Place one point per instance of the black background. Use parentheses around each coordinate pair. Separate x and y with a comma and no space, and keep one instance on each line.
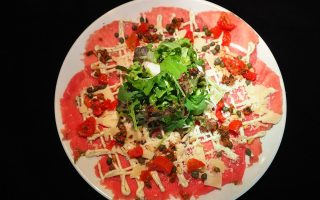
(39,35)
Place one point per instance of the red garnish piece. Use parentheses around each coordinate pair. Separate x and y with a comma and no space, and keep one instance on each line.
(135,152)
(249,75)
(219,115)
(194,164)
(87,127)
(161,164)
(224,22)
(234,127)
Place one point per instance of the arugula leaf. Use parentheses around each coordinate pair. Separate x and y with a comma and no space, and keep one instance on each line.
(196,103)
(173,65)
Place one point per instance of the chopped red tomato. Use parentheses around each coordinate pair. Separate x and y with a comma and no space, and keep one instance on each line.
(226,39)
(103,79)
(225,23)
(113,78)
(109,105)
(143,28)
(96,108)
(135,152)
(234,127)
(88,127)
(234,65)
(219,115)
(194,164)
(132,41)
(110,144)
(189,35)
(161,164)
(145,175)
(216,31)
(87,101)
(249,75)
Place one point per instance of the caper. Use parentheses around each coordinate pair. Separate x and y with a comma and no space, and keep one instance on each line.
(207,32)
(197,30)
(121,40)
(248,152)
(225,109)
(204,176)
(212,43)
(109,161)
(116,34)
(171,39)
(217,61)
(248,82)
(249,65)
(213,51)
(90,90)
(204,28)
(134,27)
(239,113)
(162,147)
(222,65)
(195,174)
(205,48)
(216,169)
(141,19)
(217,48)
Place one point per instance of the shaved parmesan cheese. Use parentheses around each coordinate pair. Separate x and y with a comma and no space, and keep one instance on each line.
(217,163)
(147,153)
(180,34)
(159,24)
(214,179)
(156,179)
(199,43)
(108,119)
(136,171)
(198,153)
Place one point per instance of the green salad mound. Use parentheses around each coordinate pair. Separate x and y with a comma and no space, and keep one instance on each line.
(170,99)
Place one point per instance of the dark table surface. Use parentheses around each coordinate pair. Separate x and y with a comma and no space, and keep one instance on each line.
(44,31)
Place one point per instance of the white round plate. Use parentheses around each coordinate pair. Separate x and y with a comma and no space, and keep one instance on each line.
(130,11)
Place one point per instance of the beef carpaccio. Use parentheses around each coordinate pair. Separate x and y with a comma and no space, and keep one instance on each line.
(170,104)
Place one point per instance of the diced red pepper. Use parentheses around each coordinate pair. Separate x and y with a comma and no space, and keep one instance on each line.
(219,115)
(224,22)
(194,164)
(145,175)
(234,127)
(234,65)
(103,79)
(110,144)
(135,152)
(189,35)
(87,127)
(132,41)
(226,39)
(161,164)
(109,105)
(113,78)
(216,31)
(143,28)
(87,101)
(249,75)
